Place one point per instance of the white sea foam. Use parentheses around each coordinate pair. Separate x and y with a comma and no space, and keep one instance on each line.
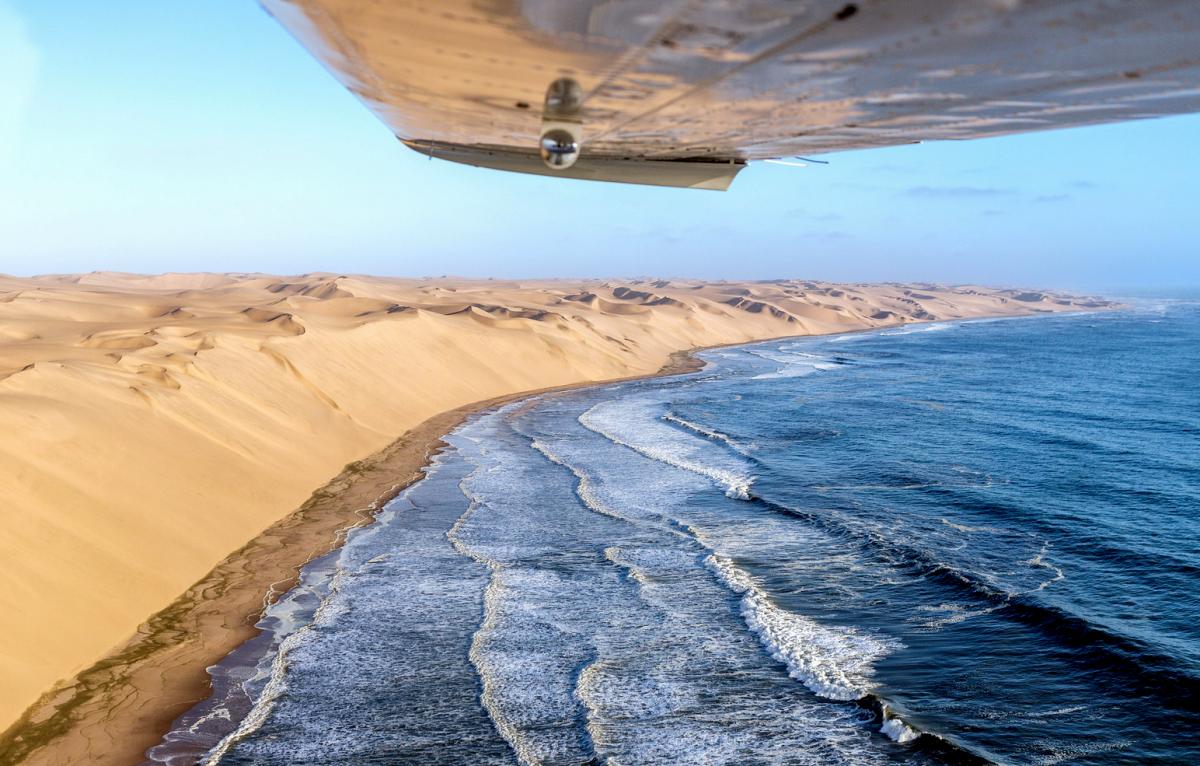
(648,698)
(909,330)
(832,661)
(276,684)
(290,621)
(895,728)
(491,696)
(942,615)
(847,337)
(633,424)
(671,417)
(796,364)
(645,691)
(1067,710)
(509,700)
(966,528)
(660,560)
(1073,750)
(583,487)
(1040,561)
(534,636)
(707,432)
(793,371)
(522,686)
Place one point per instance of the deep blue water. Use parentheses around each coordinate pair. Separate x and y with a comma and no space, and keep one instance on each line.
(948,543)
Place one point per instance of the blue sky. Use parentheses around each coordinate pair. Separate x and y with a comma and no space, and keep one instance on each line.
(167,135)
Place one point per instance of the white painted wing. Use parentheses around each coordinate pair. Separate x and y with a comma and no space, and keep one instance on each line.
(684,93)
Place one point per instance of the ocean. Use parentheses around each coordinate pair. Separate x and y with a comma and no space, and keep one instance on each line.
(968,542)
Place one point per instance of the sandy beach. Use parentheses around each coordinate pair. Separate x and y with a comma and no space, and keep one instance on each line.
(151,425)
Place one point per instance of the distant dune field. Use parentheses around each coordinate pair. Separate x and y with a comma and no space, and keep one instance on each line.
(150,425)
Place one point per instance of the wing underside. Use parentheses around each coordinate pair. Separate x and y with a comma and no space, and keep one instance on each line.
(685,93)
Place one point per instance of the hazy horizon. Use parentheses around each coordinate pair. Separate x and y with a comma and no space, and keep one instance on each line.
(1148,292)
(203,138)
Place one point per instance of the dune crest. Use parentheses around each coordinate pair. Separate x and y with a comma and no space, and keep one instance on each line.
(149,425)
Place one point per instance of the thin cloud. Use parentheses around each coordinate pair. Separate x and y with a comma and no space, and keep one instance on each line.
(828,236)
(1052,198)
(858,186)
(888,167)
(809,215)
(956,192)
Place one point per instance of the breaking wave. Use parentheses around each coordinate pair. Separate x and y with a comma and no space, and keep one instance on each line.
(622,427)
(834,662)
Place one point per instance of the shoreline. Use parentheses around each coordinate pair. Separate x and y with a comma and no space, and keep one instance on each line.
(114,710)
(126,701)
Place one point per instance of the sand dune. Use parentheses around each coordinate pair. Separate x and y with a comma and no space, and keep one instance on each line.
(149,425)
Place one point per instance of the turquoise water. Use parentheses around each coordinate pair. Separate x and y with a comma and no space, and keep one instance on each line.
(948,543)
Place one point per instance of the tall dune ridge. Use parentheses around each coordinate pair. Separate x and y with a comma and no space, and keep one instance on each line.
(152,424)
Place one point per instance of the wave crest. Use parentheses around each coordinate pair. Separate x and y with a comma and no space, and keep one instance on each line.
(832,661)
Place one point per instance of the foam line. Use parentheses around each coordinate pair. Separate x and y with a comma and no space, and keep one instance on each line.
(834,662)
(736,485)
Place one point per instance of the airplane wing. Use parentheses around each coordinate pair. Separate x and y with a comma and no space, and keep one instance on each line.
(686,92)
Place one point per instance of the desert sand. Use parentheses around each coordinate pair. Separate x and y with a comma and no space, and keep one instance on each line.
(152,425)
